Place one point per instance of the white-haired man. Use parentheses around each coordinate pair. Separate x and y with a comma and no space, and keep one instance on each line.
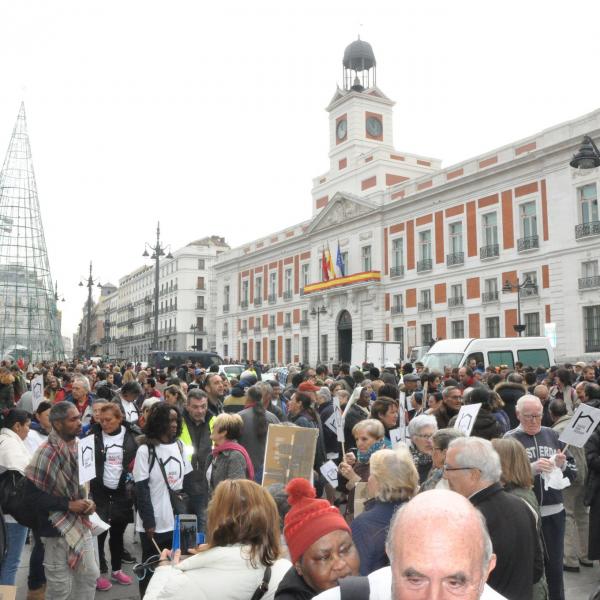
(545,452)
(438,547)
(472,468)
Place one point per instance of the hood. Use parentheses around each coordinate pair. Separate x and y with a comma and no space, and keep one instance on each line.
(36,426)
(509,385)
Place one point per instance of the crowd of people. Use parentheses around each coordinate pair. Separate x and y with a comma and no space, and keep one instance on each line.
(192,441)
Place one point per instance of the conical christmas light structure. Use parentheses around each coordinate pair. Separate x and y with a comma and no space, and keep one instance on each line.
(29,318)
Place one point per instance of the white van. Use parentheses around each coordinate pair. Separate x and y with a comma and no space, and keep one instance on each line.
(531,351)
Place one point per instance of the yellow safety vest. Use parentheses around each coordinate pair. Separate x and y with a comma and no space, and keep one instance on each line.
(186,439)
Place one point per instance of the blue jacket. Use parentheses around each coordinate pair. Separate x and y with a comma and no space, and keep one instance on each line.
(369,532)
(544,445)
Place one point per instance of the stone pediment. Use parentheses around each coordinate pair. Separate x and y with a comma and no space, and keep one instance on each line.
(342,208)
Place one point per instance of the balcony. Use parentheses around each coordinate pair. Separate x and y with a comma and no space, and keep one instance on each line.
(287,295)
(257,301)
(200,307)
(424,306)
(454,259)
(244,304)
(303,322)
(225,333)
(587,229)
(528,243)
(226,308)
(491,251)
(272,327)
(454,301)
(243,331)
(397,310)
(397,271)
(588,283)
(488,297)
(287,326)
(272,298)
(424,265)
(257,330)
(528,292)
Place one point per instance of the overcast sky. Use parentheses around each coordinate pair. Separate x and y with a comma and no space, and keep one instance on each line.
(210,115)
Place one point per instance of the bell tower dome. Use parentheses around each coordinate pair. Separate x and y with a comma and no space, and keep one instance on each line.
(360,66)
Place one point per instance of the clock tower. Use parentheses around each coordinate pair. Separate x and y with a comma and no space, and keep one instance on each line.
(362,158)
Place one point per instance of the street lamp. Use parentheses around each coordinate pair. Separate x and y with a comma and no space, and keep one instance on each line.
(509,287)
(89,284)
(588,156)
(157,252)
(321,310)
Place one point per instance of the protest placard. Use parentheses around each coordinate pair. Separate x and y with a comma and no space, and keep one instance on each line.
(583,423)
(37,391)
(329,470)
(86,459)
(289,453)
(466,418)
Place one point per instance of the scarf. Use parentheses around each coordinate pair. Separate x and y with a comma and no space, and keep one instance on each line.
(54,470)
(235,446)
(364,457)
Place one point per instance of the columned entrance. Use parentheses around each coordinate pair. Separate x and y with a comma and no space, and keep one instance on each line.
(344,328)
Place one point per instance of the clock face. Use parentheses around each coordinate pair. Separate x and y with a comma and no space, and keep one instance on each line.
(374,127)
(342,129)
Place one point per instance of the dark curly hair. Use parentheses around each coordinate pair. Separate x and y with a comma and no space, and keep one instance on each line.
(157,422)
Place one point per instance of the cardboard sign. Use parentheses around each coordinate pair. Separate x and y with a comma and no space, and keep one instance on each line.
(86,458)
(467,415)
(361,495)
(398,436)
(37,391)
(581,426)
(329,470)
(8,592)
(402,401)
(339,421)
(289,452)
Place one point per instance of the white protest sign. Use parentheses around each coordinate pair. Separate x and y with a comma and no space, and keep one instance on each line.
(86,459)
(339,421)
(329,470)
(398,436)
(37,391)
(402,402)
(466,418)
(581,426)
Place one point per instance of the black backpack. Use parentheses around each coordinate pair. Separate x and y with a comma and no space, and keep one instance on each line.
(13,499)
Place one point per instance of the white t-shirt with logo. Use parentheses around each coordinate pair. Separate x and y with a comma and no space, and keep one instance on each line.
(176,467)
(132,414)
(113,458)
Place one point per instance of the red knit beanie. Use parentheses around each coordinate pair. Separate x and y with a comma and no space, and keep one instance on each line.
(308,518)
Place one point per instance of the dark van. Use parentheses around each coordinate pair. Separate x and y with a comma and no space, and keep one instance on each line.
(163,359)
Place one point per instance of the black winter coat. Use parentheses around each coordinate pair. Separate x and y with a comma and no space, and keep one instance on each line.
(293,587)
(512,528)
(510,393)
(592,492)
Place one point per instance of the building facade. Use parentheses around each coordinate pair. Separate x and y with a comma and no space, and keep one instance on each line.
(186,307)
(424,252)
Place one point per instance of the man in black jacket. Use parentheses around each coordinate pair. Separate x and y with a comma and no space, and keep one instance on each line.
(472,468)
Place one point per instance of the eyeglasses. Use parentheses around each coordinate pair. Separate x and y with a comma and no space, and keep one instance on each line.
(449,468)
(531,417)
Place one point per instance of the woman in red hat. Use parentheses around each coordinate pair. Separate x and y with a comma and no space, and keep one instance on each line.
(319,543)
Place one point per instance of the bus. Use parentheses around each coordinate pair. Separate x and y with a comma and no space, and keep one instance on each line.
(161,359)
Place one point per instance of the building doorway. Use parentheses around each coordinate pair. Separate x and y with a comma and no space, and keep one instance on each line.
(345,337)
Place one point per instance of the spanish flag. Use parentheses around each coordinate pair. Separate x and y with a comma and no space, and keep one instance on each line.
(324,268)
(330,264)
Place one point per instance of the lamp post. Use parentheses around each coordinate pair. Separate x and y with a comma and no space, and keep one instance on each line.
(588,155)
(320,310)
(509,287)
(193,329)
(157,252)
(89,284)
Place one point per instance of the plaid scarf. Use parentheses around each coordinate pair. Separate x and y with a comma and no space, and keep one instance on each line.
(54,470)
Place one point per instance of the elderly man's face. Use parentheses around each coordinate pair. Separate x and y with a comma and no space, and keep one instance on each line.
(79,390)
(530,416)
(427,565)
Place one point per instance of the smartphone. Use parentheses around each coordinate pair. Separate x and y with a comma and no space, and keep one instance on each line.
(188,533)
